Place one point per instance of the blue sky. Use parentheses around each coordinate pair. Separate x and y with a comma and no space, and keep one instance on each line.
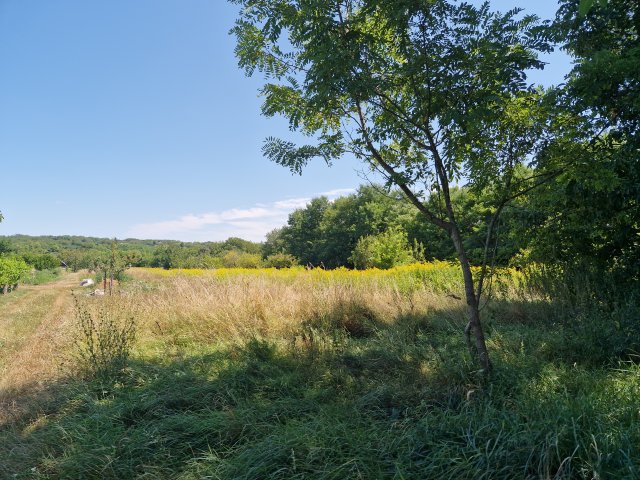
(131,119)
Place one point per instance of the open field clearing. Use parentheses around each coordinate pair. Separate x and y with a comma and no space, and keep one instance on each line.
(456,299)
(247,374)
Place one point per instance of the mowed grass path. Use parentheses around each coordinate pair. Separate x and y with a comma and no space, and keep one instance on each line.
(35,323)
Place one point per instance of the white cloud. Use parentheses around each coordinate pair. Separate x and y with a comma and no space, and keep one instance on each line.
(338,192)
(248,223)
(292,203)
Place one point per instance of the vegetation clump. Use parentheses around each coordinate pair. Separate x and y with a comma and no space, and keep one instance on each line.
(105,338)
(12,271)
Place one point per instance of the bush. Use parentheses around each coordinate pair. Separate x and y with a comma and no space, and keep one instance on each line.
(12,270)
(44,261)
(385,250)
(280,260)
(236,259)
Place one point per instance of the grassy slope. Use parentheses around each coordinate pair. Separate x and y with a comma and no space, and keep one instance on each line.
(259,377)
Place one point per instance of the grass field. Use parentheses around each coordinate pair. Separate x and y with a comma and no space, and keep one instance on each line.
(294,374)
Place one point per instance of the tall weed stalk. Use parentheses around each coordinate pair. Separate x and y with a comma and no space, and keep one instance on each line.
(104,340)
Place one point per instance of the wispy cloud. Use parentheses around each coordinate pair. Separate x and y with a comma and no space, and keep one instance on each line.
(248,223)
(338,192)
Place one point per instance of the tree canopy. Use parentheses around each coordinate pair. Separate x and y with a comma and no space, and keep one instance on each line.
(426,93)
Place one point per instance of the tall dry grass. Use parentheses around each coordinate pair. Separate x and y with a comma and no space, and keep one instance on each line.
(239,304)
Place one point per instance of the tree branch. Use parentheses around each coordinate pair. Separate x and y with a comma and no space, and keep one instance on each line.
(394,175)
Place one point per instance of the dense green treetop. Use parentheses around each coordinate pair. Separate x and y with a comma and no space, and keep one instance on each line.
(590,216)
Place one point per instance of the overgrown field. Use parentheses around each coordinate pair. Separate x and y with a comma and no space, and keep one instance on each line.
(295,374)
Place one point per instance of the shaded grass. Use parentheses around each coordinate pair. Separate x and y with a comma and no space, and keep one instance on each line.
(403,402)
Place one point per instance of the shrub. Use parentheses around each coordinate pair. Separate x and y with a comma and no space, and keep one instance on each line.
(280,260)
(236,259)
(385,250)
(44,261)
(12,270)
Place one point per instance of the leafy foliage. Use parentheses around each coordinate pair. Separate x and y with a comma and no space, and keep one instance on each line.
(12,270)
(384,250)
(423,92)
(588,220)
(280,260)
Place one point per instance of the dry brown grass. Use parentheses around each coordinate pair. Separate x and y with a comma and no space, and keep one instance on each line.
(209,309)
(37,329)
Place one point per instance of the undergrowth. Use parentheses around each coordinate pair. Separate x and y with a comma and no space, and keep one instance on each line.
(40,277)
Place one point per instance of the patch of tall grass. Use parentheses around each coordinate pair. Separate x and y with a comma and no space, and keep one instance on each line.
(40,277)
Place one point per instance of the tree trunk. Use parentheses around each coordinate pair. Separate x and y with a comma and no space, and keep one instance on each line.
(474,326)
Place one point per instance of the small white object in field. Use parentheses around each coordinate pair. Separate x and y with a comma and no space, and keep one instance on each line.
(98,292)
(86,282)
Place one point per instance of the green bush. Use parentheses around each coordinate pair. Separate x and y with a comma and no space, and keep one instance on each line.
(280,260)
(385,250)
(237,259)
(44,261)
(12,270)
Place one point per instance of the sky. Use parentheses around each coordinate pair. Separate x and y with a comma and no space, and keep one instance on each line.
(131,119)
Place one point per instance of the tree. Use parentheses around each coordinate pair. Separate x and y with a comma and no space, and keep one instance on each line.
(426,93)
(586,5)
(302,236)
(44,261)
(369,211)
(5,246)
(274,243)
(601,178)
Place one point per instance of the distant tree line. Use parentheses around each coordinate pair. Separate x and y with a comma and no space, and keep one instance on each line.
(369,228)
(79,252)
(378,228)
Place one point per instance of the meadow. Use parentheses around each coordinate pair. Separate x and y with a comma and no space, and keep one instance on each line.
(296,374)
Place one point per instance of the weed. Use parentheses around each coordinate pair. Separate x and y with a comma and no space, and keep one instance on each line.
(105,339)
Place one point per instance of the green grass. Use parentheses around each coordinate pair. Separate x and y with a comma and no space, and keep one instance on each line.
(40,277)
(399,401)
